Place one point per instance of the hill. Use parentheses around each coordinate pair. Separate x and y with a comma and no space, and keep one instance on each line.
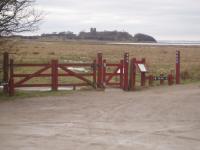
(103,36)
(93,34)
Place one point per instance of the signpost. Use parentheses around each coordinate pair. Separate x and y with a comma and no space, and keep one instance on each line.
(177,67)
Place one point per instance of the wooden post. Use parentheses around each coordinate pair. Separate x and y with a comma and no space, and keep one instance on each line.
(161,79)
(143,75)
(170,79)
(104,73)
(126,64)
(132,80)
(100,70)
(11,80)
(177,67)
(121,74)
(5,72)
(54,75)
(94,74)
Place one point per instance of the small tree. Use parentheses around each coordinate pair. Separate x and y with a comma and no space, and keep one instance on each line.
(18,16)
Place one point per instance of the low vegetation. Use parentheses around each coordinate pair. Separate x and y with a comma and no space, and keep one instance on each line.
(95,35)
(159,59)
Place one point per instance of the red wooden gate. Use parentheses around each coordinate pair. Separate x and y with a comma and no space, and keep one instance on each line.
(53,73)
(101,78)
(107,71)
(100,73)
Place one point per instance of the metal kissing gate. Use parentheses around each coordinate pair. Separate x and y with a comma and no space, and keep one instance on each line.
(100,74)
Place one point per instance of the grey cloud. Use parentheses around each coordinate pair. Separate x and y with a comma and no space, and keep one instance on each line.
(162,19)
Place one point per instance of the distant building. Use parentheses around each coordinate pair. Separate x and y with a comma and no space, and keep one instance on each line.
(93,30)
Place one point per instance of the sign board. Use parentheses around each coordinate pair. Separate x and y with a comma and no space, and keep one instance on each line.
(142,68)
(177,57)
(160,78)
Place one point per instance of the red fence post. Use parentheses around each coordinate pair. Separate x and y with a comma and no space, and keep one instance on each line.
(126,64)
(5,71)
(121,74)
(132,74)
(104,73)
(11,80)
(54,75)
(170,79)
(143,75)
(94,73)
(177,67)
(161,79)
(100,70)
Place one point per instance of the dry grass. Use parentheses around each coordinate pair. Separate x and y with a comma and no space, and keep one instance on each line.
(159,58)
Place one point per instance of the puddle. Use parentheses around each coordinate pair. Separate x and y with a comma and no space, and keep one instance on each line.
(43,88)
(81,69)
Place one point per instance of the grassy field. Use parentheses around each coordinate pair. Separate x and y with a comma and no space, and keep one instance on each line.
(160,59)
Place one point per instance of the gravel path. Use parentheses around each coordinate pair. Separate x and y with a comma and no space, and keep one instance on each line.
(164,118)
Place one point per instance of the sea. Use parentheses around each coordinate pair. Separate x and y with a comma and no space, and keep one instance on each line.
(164,43)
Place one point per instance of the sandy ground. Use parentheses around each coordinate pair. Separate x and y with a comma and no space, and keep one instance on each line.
(165,118)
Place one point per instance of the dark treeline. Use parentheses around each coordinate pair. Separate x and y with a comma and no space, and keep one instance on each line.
(103,35)
(97,35)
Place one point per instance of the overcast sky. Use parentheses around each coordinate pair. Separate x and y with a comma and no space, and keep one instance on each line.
(163,19)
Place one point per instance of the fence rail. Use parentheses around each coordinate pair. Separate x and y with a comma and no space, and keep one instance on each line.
(99,74)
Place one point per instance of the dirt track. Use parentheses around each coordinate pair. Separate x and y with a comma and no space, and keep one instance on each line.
(166,118)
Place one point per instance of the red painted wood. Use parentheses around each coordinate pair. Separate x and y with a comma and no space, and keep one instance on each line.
(11,80)
(33,85)
(177,67)
(54,73)
(100,70)
(126,65)
(5,71)
(77,75)
(82,74)
(143,74)
(26,75)
(31,65)
(74,84)
(161,80)
(112,75)
(33,75)
(132,74)
(170,79)
(76,65)
(104,73)
(121,74)
(94,73)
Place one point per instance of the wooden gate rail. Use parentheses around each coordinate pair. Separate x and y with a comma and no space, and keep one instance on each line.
(30,76)
(100,77)
(76,74)
(54,66)
(104,78)
(109,76)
